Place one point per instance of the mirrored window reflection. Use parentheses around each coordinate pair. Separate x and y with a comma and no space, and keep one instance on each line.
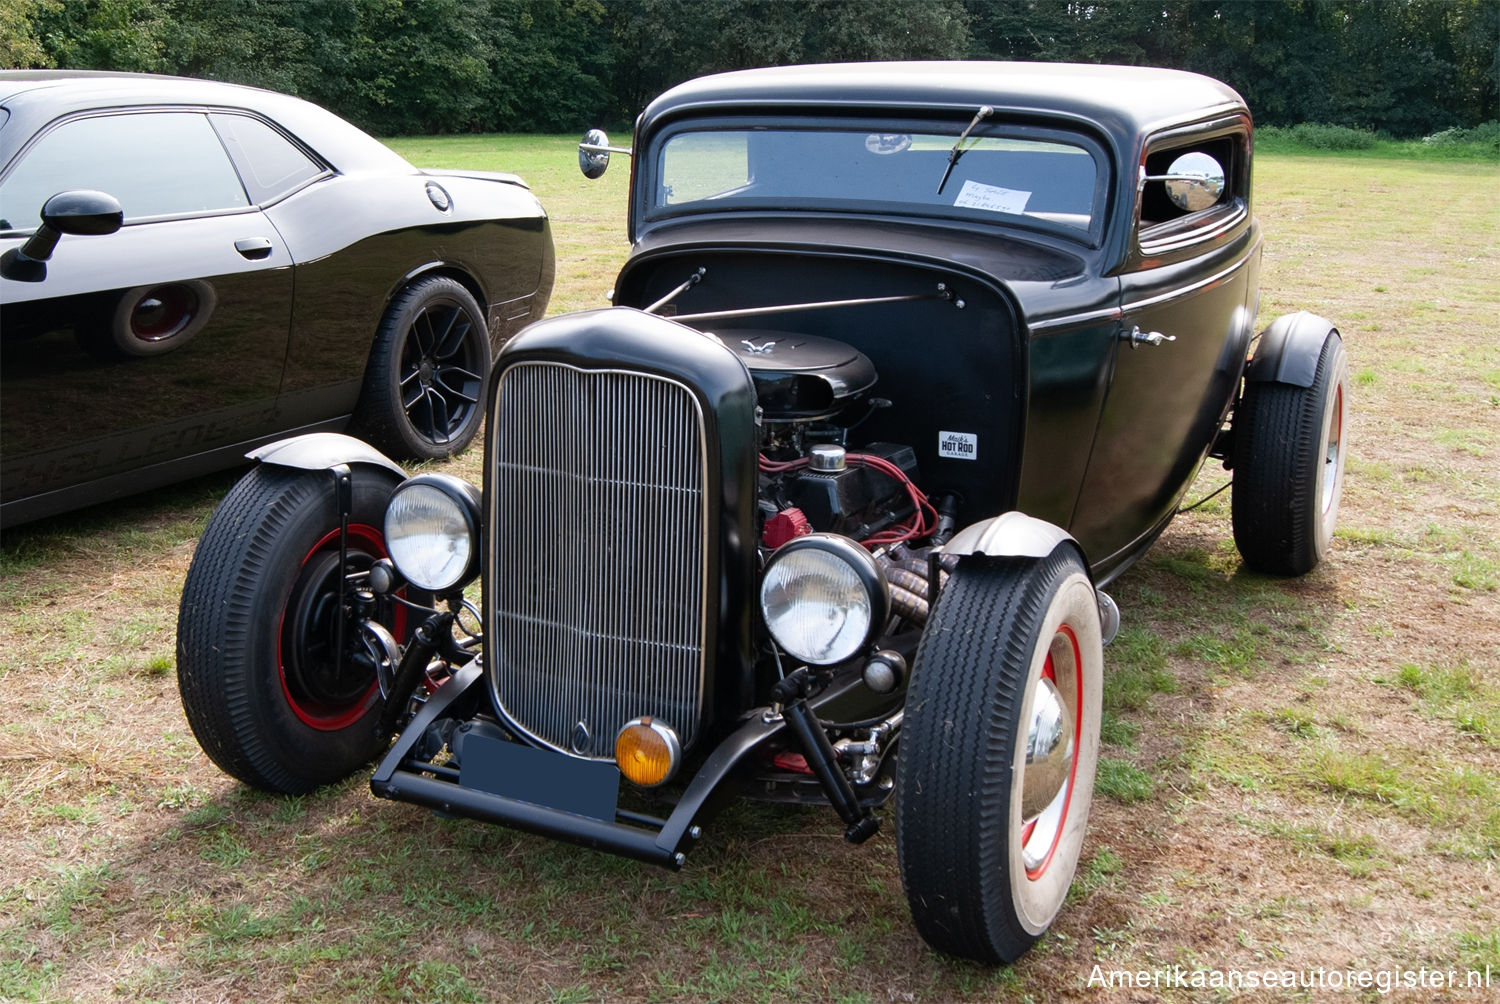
(154,163)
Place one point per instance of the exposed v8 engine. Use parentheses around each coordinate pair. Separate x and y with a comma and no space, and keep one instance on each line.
(812,392)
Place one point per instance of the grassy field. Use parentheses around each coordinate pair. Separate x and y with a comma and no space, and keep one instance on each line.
(1298,774)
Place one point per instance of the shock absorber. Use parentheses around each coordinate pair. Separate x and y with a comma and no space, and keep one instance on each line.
(791,693)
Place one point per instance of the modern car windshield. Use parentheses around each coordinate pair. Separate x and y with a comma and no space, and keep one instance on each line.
(1048,179)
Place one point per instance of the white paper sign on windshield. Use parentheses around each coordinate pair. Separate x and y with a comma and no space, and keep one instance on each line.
(991,198)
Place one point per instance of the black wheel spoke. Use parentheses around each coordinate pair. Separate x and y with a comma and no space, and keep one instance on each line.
(437,409)
(454,335)
(423,335)
(423,392)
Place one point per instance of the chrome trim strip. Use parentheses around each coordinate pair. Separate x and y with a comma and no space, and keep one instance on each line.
(598,584)
(1075,320)
(1190,289)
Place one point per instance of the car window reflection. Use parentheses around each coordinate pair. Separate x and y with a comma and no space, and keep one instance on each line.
(156,164)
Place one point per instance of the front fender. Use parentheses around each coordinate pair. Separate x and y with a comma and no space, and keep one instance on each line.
(1017,535)
(1012,535)
(1288,350)
(321,451)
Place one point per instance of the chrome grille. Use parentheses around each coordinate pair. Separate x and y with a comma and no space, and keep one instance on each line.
(597,550)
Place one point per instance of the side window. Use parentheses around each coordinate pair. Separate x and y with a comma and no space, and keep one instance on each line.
(271,164)
(1166,219)
(155,163)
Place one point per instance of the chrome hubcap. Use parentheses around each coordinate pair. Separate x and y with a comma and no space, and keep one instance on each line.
(1331,452)
(1049,751)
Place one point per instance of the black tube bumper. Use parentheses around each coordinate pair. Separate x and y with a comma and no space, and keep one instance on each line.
(644,838)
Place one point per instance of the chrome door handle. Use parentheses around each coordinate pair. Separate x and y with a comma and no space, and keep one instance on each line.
(1136,337)
(254,248)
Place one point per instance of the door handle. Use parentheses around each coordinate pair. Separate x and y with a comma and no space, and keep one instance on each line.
(254,248)
(1136,337)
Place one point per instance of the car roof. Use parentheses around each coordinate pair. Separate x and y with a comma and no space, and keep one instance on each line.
(35,97)
(1125,102)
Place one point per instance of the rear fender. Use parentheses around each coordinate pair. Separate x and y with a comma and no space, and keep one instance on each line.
(1288,350)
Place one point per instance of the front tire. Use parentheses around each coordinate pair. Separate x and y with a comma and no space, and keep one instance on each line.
(998,753)
(425,380)
(1289,449)
(264,694)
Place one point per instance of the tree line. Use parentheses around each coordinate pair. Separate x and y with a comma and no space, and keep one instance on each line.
(1402,67)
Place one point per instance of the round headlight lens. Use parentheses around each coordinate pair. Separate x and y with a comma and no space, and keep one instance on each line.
(431,525)
(822,597)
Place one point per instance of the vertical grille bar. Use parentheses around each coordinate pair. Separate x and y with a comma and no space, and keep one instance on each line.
(598,576)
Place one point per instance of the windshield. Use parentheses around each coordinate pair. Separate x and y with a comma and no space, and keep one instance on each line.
(1050,180)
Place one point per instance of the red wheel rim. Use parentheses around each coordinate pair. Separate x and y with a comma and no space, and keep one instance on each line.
(1049,672)
(327,712)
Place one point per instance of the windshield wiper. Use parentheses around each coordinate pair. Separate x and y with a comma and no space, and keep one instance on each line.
(985,111)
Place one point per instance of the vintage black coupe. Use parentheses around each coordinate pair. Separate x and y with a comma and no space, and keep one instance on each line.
(189,269)
(908,361)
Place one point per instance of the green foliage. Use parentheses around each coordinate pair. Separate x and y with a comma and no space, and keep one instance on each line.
(1486,136)
(1314,136)
(19,45)
(1408,68)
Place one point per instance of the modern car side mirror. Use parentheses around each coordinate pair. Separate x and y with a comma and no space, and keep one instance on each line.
(1194,181)
(593,153)
(81,212)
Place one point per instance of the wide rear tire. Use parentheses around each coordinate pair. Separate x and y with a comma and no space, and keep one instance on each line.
(988,834)
(257,629)
(1289,449)
(424,386)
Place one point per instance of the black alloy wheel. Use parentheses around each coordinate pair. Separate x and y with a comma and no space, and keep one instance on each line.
(425,382)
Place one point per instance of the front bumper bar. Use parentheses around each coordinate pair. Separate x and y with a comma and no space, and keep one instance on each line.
(645,838)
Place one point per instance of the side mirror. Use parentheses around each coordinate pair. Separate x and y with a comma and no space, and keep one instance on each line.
(81,212)
(593,153)
(1194,181)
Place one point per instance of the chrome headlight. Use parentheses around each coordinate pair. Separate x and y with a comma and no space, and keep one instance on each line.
(432,531)
(823,598)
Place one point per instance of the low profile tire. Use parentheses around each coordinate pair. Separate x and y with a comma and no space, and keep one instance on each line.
(257,630)
(424,386)
(1289,449)
(998,753)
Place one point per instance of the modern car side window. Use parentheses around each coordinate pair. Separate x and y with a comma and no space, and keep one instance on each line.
(155,163)
(270,164)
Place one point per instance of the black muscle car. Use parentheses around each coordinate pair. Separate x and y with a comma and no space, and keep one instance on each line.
(907,362)
(189,269)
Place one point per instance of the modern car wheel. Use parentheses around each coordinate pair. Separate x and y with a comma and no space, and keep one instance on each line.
(1289,448)
(268,693)
(423,387)
(998,753)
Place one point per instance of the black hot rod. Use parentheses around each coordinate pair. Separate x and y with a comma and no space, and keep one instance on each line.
(907,362)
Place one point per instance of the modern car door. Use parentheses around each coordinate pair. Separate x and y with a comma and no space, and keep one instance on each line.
(166,339)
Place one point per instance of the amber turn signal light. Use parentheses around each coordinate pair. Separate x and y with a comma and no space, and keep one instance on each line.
(647,752)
